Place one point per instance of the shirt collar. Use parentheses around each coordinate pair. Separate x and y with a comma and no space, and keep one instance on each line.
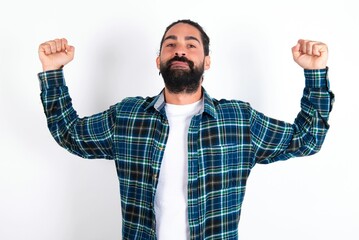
(208,107)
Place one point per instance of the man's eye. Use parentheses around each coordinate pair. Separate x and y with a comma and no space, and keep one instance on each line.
(191,46)
(170,45)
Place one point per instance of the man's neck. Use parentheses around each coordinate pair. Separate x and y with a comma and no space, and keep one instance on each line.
(183,98)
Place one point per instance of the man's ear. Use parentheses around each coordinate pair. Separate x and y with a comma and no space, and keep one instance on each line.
(207,62)
(158,61)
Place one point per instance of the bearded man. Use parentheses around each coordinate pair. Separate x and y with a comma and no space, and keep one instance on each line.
(182,157)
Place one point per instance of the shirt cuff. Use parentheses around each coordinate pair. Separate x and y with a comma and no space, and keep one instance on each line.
(316,78)
(51,79)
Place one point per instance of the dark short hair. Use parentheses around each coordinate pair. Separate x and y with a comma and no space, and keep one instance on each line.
(204,36)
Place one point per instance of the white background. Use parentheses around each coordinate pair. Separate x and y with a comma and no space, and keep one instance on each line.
(47,193)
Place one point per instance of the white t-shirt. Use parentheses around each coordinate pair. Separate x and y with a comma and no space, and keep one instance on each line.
(171,194)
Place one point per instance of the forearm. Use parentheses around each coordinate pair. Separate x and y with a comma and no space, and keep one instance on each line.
(311,124)
(88,137)
(317,95)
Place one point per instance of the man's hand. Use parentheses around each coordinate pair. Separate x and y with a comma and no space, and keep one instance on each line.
(55,54)
(310,54)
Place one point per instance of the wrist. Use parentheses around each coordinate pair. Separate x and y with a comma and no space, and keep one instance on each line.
(46,68)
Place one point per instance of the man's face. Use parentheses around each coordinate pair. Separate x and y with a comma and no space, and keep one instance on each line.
(182,60)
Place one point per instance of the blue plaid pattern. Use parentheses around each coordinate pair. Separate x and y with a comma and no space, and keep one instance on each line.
(225,141)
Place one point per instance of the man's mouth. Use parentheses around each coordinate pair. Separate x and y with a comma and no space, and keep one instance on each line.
(179,65)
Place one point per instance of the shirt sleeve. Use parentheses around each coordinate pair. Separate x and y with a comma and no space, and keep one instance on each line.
(88,137)
(275,140)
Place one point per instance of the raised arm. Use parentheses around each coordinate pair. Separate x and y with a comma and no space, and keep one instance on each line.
(275,140)
(88,137)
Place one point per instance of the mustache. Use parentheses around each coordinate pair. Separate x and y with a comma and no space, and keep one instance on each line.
(181,59)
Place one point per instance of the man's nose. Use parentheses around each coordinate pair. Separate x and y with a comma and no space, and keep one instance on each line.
(180,51)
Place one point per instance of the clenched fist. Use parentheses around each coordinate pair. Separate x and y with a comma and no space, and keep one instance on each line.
(310,54)
(55,54)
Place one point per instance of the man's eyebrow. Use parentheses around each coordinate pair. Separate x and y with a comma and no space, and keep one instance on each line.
(173,37)
(192,38)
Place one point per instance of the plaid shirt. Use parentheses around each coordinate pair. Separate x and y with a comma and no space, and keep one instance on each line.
(225,141)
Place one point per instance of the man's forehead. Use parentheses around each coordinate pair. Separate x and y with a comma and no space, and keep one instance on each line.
(183,30)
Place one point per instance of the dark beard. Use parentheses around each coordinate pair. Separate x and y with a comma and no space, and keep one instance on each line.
(181,80)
